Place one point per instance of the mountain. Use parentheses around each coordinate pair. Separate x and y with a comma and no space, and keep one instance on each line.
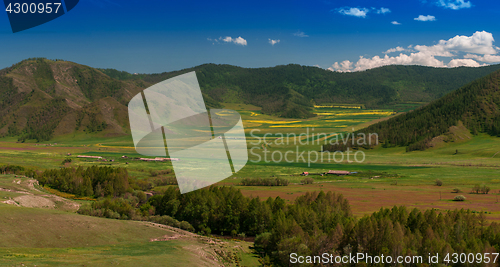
(475,106)
(41,98)
(291,90)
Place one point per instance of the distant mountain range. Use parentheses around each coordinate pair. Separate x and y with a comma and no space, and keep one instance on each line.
(42,98)
(476,106)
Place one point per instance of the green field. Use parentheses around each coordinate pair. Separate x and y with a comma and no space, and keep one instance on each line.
(52,234)
(477,160)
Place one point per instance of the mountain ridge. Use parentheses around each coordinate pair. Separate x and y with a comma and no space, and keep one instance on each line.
(41,98)
(475,105)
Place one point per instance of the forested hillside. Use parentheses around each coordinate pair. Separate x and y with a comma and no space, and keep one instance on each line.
(291,90)
(41,98)
(319,222)
(477,105)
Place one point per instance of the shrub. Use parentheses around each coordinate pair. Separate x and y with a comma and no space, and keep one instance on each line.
(459,198)
(476,189)
(439,182)
(265,182)
(456,190)
(307,180)
(483,189)
(187,226)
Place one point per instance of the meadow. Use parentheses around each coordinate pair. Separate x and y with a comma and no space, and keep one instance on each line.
(386,177)
(53,235)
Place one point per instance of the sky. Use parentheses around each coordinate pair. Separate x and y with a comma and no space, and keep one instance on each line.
(157,36)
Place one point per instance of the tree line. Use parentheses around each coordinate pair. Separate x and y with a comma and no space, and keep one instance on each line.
(476,105)
(93,181)
(320,222)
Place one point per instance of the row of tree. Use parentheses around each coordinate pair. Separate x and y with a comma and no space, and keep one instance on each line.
(319,222)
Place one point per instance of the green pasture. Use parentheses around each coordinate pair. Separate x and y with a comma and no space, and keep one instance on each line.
(457,163)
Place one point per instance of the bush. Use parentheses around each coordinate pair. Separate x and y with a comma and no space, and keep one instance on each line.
(307,180)
(483,189)
(265,182)
(187,226)
(167,220)
(459,198)
(439,182)
(456,190)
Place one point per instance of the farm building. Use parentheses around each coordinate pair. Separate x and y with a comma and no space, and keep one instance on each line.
(338,172)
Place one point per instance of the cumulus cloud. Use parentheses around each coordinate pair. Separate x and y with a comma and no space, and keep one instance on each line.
(478,43)
(238,41)
(383,10)
(300,34)
(354,11)
(392,50)
(485,58)
(463,62)
(454,4)
(344,66)
(273,42)
(395,23)
(479,47)
(425,18)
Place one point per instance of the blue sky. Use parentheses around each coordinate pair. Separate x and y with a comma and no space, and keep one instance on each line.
(156,36)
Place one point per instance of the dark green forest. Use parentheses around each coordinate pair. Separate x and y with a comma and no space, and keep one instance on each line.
(476,104)
(291,90)
(92,181)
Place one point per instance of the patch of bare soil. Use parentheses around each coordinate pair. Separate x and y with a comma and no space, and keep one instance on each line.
(31,201)
(47,201)
(10,202)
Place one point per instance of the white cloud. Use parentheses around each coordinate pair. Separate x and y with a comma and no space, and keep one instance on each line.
(395,23)
(273,42)
(461,62)
(361,12)
(485,58)
(454,4)
(402,59)
(479,47)
(383,10)
(344,66)
(354,11)
(478,43)
(238,41)
(392,50)
(425,18)
(300,34)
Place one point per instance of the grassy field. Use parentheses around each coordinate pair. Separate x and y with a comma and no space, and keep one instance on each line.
(386,177)
(40,229)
